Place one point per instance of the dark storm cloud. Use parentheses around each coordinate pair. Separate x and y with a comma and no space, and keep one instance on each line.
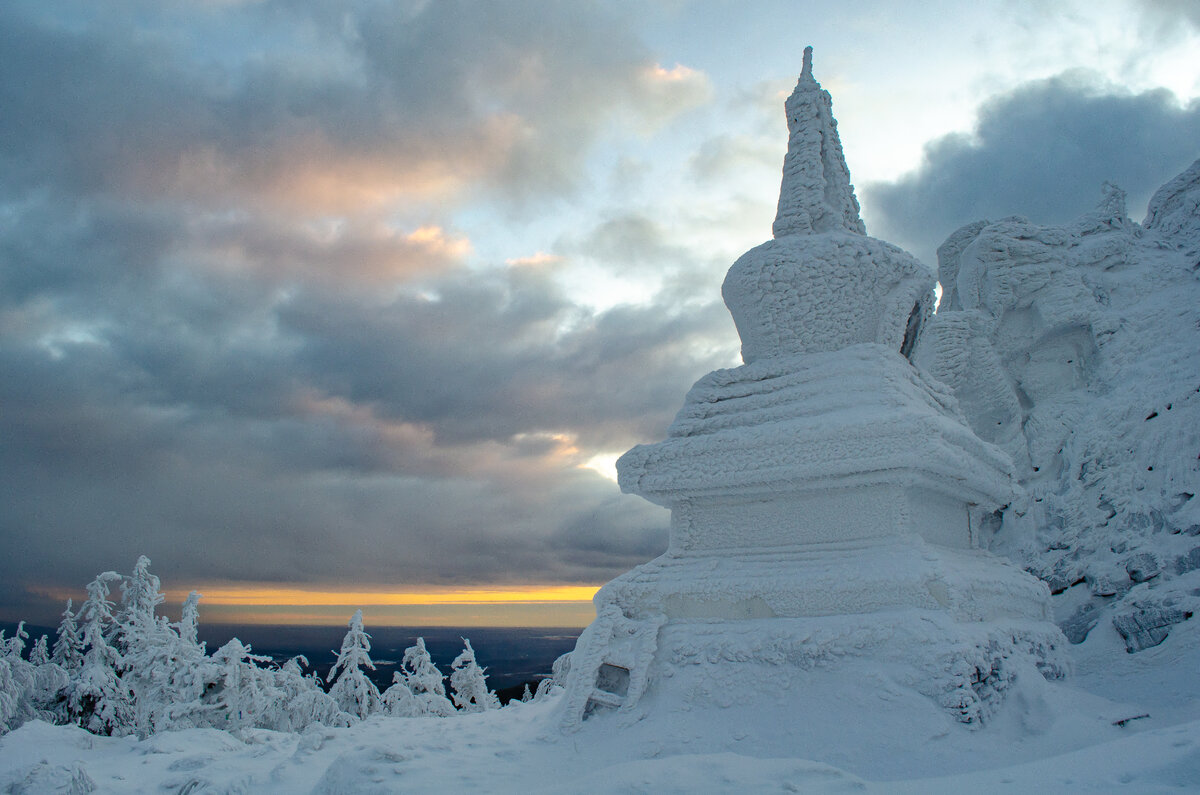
(234,334)
(1042,151)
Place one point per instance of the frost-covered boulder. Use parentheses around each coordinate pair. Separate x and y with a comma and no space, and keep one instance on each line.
(1076,349)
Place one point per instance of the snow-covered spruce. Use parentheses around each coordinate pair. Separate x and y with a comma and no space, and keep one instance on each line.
(98,698)
(425,682)
(468,683)
(352,690)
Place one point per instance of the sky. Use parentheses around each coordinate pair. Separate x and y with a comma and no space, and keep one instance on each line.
(326,305)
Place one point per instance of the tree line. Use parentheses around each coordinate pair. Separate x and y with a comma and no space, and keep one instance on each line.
(119,668)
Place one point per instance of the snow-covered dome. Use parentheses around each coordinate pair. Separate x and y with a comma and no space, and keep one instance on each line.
(822,284)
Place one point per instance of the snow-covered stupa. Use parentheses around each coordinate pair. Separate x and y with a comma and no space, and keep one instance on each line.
(827,498)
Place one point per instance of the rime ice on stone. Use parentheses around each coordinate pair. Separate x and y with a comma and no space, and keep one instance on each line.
(822,284)
(816,195)
(827,500)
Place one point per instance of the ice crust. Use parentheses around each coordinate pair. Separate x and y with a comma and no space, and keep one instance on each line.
(811,422)
(1076,348)
(823,292)
(816,194)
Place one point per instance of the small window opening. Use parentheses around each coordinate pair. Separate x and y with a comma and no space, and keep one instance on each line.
(911,330)
(613,679)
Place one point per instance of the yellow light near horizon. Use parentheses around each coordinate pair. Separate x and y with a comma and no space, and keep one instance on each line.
(262,594)
(268,603)
(249,595)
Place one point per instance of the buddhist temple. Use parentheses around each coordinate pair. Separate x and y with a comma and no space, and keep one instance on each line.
(829,505)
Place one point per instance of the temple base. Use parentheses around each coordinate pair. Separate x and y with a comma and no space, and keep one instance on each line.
(954,625)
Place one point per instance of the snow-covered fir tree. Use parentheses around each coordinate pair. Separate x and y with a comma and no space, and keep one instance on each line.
(425,681)
(119,671)
(14,646)
(16,681)
(236,692)
(32,687)
(153,656)
(189,618)
(99,700)
(11,694)
(303,699)
(469,683)
(40,653)
(353,691)
(398,700)
(558,674)
(170,673)
(140,595)
(68,648)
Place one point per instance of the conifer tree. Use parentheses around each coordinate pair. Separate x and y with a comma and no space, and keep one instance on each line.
(189,619)
(306,702)
(40,654)
(99,700)
(16,681)
(469,683)
(353,691)
(425,681)
(14,647)
(11,693)
(165,667)
(68,648)
(398,700)
(140,593)
(237,695)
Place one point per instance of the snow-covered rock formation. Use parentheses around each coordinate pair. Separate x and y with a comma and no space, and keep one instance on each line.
(1076,349)
(827,504)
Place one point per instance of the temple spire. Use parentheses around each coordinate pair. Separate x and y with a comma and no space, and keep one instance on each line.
(816,194)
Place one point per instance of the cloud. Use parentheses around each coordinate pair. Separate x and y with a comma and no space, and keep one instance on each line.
(232,429)
(1168,14)
(537,259)
(240,331)
(673,91)
(725,156)
(376,104)
(1042,151)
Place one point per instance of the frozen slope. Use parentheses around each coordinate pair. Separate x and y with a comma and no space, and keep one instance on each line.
(510,750)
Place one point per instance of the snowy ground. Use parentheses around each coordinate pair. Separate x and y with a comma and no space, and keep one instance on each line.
(1056,737)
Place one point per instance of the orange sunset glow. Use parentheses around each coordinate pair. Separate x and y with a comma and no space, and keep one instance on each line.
(268,603)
